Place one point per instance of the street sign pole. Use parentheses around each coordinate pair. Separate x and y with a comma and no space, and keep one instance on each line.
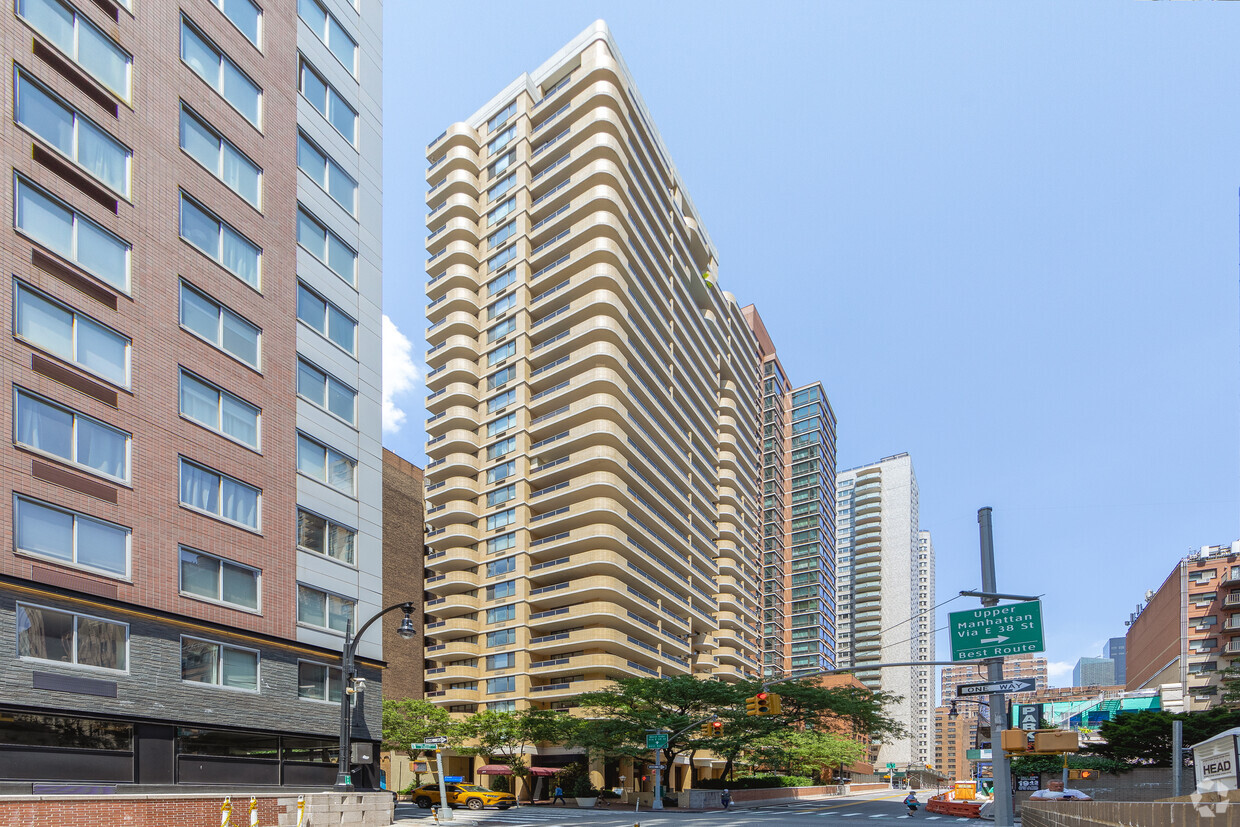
(1000,768)
(445,812)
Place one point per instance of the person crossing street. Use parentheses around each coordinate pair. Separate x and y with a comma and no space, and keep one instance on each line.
(559,796)
(912,803)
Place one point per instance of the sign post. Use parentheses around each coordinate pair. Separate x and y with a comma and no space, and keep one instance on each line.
(995,631)
(657,741)
(966,690)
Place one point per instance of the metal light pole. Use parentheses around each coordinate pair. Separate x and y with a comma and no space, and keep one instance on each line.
(344,776)
(998,706)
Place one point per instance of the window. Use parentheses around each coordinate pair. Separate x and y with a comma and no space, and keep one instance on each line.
(327,319)
(502,637)
(502,543)
(501,590)
(499,260)
(1202,576)
(505,684)
(501,140)
(318,682)
(501,377)
(61,432)
(246,16)
(317,461)
(322,536)
(81,40)
(220,73)
(501,495)
(60,534)
(501,472)
(498,426)
(229,248)
(500,614)
(205,575)
(502,117)
(328,102)
(72,336)
(219,410)
(326,391)
(502,400)
(203,661)
(63,637)
(502,306)
(501,519)
(325,172)
(502,187)
(326,246)
(501,281)
(502,706)
(75,136)
(498,567)
(502,329)
(223,160)
(220,326)
(497,169)
(219,495)
(329,30)
(323,610)
(1206,666)
(54,224)
(501,212)
(503,234)
(501,353)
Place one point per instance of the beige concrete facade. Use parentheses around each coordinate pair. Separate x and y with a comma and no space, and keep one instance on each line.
(591,453)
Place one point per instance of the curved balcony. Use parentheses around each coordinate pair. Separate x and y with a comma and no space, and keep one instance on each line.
(873,576)
(454,253)
(458,134)
(451,582)
(453,534)
(452,418)
(453,488)
(443,280)
(557,691)
(453,627)
(453,155)
(456,205)
(453,650)
(461,369)
(459,346)
(459,672)
(456,300)
(451,559)
(451,465)
(452,697)
(458,179)
(458,323)
(465,511)
(458,440)
(452,605)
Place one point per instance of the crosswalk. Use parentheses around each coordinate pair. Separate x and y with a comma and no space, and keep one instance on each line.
(544,816)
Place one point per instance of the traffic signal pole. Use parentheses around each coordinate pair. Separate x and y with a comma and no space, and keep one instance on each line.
(998,701)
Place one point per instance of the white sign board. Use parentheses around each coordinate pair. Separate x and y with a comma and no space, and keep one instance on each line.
(1216,761)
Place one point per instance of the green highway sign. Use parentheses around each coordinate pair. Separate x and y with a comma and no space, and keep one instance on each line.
(891,766)
(656,740)
(997,630)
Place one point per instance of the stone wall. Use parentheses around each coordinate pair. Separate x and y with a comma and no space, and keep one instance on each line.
(322,809)
(1144,784)
(1206,812)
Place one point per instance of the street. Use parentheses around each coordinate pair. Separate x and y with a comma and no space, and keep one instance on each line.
(869,808)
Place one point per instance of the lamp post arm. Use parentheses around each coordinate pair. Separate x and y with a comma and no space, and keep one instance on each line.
(406,606)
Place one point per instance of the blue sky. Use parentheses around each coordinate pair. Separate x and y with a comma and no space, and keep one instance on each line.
(1003,235)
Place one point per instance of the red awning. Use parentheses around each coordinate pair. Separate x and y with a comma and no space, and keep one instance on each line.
(543,771)
(494,769)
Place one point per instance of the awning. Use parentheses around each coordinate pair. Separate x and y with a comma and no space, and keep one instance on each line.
(543,770)
(504,769)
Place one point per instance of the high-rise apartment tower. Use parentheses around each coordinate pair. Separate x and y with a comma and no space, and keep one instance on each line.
(884,569)
(192,474)
(798,518)
(591,450)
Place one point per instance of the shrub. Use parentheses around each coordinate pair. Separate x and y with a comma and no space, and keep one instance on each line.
(755,782)
(499,783)
(581,787)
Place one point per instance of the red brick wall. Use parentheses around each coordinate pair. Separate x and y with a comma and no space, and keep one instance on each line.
(403,574)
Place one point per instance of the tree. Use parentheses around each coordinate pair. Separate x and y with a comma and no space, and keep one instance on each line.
(409,721)
(1229,679)
(1144,738)
(505,737)
(799,752)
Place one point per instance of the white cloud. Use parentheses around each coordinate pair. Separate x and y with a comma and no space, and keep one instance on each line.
(1057,670)
(399,374)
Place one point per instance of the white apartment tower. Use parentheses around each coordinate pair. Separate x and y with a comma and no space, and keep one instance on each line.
(591,451)
(885,572)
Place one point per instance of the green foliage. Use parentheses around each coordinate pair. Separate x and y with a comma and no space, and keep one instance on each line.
(818,752)
(754,782)
(1144,738)
(1229,680)
(499,783)
(1034,764)
(582,789)
(504,737)
(409,721)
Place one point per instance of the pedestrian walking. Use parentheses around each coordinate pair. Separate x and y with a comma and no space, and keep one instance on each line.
(559,796)
(726,798)
(912,803)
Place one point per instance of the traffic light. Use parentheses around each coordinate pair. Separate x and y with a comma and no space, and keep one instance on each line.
(751,705)
(764,703)
(772,704)
(705,730)
(716,729)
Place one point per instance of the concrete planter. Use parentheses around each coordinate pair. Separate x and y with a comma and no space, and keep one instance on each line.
(586,802)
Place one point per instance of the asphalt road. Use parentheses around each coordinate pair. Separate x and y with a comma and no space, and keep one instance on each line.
(869,809)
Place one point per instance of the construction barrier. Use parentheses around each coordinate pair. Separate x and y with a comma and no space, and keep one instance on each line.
(946,804)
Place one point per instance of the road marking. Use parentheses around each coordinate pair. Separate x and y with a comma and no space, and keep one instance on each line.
(852,814)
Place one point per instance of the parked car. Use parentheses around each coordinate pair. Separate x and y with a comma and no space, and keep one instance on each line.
(467,795)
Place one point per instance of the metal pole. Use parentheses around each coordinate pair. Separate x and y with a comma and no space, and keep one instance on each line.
(998,707)
(445,812)
(1177,756)
(344,776)
(657,803)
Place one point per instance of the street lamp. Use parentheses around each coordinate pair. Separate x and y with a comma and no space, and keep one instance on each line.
(344,778)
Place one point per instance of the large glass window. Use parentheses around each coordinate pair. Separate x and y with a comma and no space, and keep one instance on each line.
(326,391)
(327,173)
(504,684)
(317,461)
(501,353)
(74,437)
(501,519)
(326,318)
(498,426)
(502,117)
(74,135)
(501,614)
(501,188)
(246,16)
(81,40)
(500,590)
(501,282)
(65,535)
(220,495)
(234,252)
(64,637)
(501,495)
(504,566)
(502,306)
(323,610)
(322,536)
(501,377)
(502,400)
(500,259)
(219,410)
(220,73)
(501,140)
(72,336)
(326,246)
(502,637)
(502,543)
(501,212)
(57,226)
(205,575)
(203,661)
(499,449)
(501,472)
(220,326)
(23,730)
(318,682)
(223,160)
(330,103)
(505,660)
(328,29)
(502,329)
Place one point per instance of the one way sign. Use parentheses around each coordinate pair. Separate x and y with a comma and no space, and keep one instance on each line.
(966,690)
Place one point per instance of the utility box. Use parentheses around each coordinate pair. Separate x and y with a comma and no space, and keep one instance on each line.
(1014,740)
(1055,740)
(363,753)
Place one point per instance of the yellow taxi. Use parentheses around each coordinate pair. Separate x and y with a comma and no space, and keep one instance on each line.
(467,795)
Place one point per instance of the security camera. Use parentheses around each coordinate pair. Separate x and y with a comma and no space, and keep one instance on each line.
(359,685)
